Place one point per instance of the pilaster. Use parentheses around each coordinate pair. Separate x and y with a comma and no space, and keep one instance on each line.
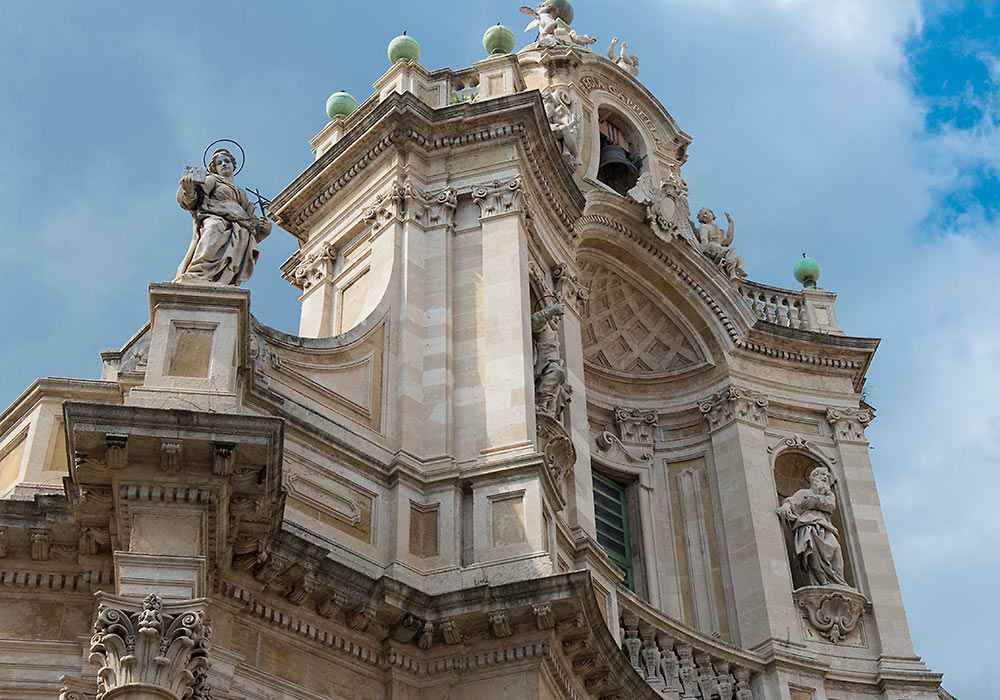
(758,562)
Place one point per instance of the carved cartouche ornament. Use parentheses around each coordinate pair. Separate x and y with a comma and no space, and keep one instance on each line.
(223,249)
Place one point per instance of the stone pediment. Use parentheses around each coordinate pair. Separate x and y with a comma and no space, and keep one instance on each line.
(626,331)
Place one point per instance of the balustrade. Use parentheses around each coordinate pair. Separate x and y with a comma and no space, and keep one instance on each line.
(775,305)
(679,663)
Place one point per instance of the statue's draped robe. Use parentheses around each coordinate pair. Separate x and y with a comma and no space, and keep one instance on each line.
(815,537)
(224,247)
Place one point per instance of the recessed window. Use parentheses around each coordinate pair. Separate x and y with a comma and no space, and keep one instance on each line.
(611,514)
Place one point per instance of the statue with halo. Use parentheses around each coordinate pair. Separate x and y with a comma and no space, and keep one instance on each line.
(223,249)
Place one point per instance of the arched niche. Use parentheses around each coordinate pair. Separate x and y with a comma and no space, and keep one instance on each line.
(611,127)
(791,473)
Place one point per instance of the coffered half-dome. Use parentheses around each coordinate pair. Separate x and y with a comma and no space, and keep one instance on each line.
(625,331)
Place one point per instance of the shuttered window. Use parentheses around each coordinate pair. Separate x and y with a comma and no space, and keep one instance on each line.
(610,511)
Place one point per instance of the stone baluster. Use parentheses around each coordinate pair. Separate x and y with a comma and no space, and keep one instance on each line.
(633,645)
(742,684)
(783,318)
(669,666)
(706,676)
(724,681)
(771,310)
(687,672)
(651,658)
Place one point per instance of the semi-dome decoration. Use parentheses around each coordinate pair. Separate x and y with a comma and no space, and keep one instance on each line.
(625,331)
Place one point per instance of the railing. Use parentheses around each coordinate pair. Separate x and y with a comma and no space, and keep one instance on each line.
(775,305)
(679,663)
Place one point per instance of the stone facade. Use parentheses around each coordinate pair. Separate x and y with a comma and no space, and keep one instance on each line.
(529,441)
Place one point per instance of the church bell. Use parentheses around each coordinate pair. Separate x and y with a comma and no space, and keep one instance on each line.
(616,169)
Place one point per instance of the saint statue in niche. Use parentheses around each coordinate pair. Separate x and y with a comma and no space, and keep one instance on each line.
(808,512)
(226,230)
(551,392)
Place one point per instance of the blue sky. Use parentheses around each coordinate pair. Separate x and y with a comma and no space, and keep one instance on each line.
(864,132)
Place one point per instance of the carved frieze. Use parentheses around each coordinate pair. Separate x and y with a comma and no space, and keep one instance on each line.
(498,198)
(735,403)
(832,611)
(849,424)
(157,646)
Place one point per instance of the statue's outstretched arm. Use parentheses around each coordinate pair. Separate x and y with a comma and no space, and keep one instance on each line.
(731,232)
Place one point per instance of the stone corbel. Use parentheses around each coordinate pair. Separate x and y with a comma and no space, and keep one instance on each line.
(849,424)
(152,649)
(735,403)
(500,625)
(498,198)
(567,287)
(117,451)
(833,612)
(555,445)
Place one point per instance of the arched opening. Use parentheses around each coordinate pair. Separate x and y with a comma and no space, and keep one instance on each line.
(622,152)
(791,475)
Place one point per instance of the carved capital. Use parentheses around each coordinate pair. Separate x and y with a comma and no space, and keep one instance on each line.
(849,423)
(833,612)
(636,426)
(498,198)
(314,268)
(735,403)
(151,646)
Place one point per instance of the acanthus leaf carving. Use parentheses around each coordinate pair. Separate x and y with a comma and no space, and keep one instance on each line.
(735,403)
(498,198)
(636,425)
(159,645)
(849,424)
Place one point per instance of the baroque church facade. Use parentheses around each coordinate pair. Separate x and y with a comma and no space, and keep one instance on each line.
(538,436)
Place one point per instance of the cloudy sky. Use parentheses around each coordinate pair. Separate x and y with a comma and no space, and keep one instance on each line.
(864,132)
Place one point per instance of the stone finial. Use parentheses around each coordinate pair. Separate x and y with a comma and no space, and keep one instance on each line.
(806,271)
(158,649)
(498,40)
(404,48)
(340,104)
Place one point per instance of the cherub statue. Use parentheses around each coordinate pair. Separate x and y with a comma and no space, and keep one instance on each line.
(226,229)
(628,62)
(716,244)
(564,123)
(552,29)
(816,545)
(551,394)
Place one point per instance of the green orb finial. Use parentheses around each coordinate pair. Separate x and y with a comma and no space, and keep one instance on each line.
(340,104)
(806,271)
(498,40)
(404,48)
(563,10)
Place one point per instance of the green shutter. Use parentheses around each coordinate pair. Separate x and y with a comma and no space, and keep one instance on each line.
(611,513)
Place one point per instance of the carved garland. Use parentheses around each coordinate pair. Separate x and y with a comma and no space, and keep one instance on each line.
(727,324)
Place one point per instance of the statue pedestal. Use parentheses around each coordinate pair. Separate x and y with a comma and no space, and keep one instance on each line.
(199,342)
(833,614)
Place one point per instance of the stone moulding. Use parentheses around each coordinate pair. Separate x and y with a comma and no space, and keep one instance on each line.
(833,611)
(151,648)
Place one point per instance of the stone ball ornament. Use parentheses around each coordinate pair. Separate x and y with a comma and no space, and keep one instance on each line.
(498,39)
(404,48)
(806,271)
(340,104)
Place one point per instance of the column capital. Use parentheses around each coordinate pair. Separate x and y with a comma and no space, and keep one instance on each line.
(849,424)
(498,198)
(151,649)
(735,403)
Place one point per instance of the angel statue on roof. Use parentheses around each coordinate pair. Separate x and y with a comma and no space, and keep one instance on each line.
(552,18)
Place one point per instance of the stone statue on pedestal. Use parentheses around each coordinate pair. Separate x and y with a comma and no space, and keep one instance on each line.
(807,512)
(552,29)
(226,230)
(717,244)
(551,393)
